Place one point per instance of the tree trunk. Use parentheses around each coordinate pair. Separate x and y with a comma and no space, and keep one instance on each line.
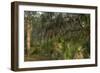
(28,37)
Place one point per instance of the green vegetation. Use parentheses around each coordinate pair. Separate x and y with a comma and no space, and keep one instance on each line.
(56,36)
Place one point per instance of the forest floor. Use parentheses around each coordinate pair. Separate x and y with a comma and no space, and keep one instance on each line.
(35,58)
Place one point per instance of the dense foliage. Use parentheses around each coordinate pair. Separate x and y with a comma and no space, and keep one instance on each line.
(56,35)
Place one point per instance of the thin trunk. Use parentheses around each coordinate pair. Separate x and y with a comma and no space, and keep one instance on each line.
(28,37)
